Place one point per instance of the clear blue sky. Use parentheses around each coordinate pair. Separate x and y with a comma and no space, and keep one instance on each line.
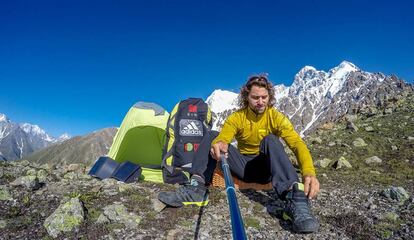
(77,66)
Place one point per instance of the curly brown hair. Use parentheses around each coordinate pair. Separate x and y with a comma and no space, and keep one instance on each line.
(260,81)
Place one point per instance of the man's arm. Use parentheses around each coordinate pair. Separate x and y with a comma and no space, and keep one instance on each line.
(227,133)
(286,131)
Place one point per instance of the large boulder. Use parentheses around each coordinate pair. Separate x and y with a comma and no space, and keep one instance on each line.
(65,218)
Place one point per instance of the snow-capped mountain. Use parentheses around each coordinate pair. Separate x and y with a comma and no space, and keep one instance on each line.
(221,103)
(316,97)
(62,138)
(19,140)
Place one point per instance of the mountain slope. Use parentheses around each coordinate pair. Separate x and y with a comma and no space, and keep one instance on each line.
(81,149)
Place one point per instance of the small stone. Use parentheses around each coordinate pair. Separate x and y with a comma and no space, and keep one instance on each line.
(328,126)
(369,129)
(30,182)
(24,163)
(331,144)
(46,166)
(323,163)
(351,126)
(375,172)
(410,138)
(173,234)
(373,160)
(123,187)
(372,206)
(3,224)
(317,140)
(96,189)
(157,205)
(391,216)
(342,162)
(42,175)
(5,194)
(396,193)
(102,219)
(31,172)
(74,167)
(71,176)
(359,142)
(351,117)
(394,148)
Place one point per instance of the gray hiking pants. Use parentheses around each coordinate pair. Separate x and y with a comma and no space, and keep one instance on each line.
(271,165)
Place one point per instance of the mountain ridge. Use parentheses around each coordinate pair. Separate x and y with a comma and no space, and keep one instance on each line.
(18,140)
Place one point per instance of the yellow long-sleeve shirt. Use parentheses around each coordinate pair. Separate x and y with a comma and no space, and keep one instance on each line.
(249,128)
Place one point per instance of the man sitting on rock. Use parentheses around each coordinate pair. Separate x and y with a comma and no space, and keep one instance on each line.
(260,156)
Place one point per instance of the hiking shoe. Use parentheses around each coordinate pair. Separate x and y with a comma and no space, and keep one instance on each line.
(297,210)
(193,193)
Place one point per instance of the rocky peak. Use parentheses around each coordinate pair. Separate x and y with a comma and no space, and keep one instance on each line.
(3,118)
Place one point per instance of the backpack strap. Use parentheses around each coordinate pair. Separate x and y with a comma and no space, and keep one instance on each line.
(167,160)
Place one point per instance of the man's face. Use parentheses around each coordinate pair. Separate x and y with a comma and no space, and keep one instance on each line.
(258,99)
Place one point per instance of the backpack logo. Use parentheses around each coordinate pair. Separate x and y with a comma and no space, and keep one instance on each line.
(190,127)
(192,108)
(189,147)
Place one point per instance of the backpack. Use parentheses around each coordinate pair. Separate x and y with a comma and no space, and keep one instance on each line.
(188,125)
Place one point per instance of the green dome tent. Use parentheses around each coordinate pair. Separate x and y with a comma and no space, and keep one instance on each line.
(140,139)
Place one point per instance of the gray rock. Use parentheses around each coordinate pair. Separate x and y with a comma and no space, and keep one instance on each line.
(390,216)
(315,140)
(102,219)
(71,176)
(351,126)
(323,163)
(3,224)
(331,144)
(396,193)
(373,160)
(342,162)
(359,142)
(369,129)
(119,214)
(65,218)
(31,172)
(388,111)
(157,205)
(410,138)
(42,175)
(31,182)
(47,166)
(394,148)
(351,118)
(123,187)
(5,194)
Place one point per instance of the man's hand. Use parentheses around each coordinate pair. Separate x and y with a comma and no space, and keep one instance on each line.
(311,186)
(218,148)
